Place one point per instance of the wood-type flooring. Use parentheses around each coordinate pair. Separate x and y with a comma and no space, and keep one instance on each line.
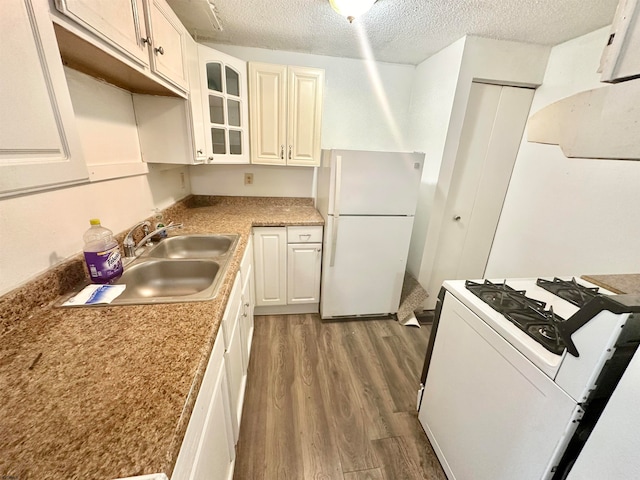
(334,400)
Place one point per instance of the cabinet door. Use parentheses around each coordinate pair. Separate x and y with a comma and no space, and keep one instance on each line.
(39,144)
(167,43)
(225,106)
(303,276)
(215,456)
(246,317)
(236,376)
(118,22)
(306,86)
(268,107)
(270,264)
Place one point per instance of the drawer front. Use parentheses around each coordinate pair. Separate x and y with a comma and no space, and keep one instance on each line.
(312,234)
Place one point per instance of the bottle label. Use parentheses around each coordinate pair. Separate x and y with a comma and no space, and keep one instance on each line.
(104,266)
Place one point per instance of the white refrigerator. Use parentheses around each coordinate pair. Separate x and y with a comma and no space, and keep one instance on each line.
(368,201)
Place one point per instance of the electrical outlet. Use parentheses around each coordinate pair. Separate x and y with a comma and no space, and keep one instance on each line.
(248,178)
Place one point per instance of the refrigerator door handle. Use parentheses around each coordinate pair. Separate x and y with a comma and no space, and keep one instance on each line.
(336,210)
(334,240)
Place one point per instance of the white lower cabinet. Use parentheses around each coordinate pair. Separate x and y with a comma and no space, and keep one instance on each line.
(287,269)
(303,272)
(208,448)
(270,261)
(248,302)
(233,359)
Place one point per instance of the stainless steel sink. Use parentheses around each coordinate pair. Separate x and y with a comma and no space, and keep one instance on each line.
(184,268)
(162,281)
(193,246)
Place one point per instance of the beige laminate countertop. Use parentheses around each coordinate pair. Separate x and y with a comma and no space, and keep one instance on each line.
(107,392)
(622,283)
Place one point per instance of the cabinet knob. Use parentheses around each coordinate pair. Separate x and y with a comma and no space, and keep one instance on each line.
(146,40)
(456,218)
(318,250)
(246,304)
(159,50)
(210,159)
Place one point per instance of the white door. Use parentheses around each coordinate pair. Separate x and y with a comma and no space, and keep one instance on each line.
(491,135)
(363,265)
(303,277)
(374,183)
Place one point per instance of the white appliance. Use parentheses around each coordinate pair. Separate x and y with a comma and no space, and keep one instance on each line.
(368,201)
(518,372)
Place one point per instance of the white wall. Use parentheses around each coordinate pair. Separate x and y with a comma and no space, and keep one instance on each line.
(42,229)
(366,107)
(433,91)
(268,180)
(493,61)
(568,216)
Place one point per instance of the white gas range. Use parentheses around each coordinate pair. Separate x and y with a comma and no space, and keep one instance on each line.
(516,376)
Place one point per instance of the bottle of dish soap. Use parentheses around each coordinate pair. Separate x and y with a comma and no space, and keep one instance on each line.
(101,253)
(158,223)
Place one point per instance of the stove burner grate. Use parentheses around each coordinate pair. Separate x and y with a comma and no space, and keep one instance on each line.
(528,314)
(569,290)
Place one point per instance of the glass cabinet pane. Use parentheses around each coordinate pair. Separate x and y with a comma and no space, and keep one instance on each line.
(235,142)
(233,81)
(218,141)
(233,109)
(216,109)
(214,76)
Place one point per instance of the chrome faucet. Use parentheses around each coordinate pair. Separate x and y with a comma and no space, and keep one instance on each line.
(166,228)
(129,243)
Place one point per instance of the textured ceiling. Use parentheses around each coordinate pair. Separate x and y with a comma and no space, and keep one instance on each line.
(399,31)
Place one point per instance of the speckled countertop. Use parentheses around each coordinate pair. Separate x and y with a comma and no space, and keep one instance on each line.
(103,393)
(622,283)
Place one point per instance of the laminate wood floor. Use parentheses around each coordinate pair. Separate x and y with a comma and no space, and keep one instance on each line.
(334,400)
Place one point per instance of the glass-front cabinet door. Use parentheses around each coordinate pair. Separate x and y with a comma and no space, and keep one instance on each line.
(224,90)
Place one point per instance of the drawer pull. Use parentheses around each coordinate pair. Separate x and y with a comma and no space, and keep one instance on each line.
(305,236)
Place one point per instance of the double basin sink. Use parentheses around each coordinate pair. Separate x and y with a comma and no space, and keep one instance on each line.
(184,268)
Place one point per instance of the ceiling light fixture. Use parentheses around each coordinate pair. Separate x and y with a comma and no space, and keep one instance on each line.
(351,8)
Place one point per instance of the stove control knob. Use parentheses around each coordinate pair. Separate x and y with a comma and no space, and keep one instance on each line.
(456,218)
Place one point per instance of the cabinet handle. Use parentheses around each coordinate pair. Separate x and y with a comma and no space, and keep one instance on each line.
(210,159)
(305,236)
(246,304)
(281,152)
(159,50)
(199,152)
(146,41)
(289,152)
(318,250)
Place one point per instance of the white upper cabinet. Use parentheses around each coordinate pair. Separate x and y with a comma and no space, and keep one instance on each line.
(138,45)
(224,106)
(285,114)
(39,145)
(118,22)
(167,43)
(620,57)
